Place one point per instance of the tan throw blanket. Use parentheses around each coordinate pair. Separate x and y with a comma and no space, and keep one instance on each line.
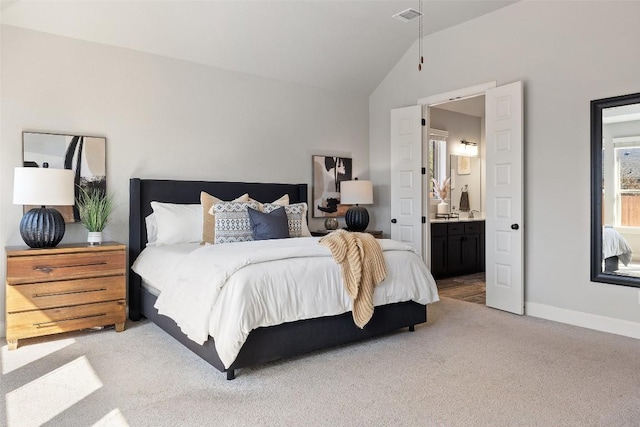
(360,258)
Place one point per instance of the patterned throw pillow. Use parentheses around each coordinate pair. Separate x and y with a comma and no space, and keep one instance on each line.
(296,216)
(208,217)
(232,221)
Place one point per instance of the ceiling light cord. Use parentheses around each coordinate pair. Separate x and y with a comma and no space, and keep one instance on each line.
(420,57)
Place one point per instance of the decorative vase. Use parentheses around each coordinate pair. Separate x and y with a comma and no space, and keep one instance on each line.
(331,224)
(443,207)
(94,237)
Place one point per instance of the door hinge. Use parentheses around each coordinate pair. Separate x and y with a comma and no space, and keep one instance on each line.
(424,122)
(424,219)
(424,171)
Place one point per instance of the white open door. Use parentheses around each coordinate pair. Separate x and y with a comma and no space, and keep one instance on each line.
(505,193)
(406,177)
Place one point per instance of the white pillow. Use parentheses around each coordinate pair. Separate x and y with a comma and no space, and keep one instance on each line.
(177,223)
(152,229)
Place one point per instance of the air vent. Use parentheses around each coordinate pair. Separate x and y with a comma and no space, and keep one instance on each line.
(407,15)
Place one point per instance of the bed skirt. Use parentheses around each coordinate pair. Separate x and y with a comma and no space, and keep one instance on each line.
(294,338)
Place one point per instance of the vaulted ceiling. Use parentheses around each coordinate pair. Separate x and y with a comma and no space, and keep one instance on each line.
(338,45)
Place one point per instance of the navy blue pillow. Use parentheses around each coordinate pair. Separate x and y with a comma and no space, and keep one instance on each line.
(273,225)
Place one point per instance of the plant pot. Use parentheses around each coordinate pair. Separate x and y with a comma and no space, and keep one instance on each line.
(443,208)
(94,237)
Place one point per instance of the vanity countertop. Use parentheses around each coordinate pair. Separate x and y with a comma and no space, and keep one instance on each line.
(475,218)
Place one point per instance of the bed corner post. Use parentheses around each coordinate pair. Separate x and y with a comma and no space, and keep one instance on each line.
(135,246)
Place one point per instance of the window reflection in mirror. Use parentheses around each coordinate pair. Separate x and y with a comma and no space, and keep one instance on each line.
(437,157)
(615,190)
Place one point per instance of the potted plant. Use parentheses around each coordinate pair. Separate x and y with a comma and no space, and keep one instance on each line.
(441,191)
(94,207)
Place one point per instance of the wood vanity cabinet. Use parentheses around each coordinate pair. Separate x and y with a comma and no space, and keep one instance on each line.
(457,248)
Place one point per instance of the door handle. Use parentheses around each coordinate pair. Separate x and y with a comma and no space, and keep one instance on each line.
(393,221)
(514,226)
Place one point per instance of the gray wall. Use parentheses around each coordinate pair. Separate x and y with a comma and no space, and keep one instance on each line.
(164,118)
(566,53)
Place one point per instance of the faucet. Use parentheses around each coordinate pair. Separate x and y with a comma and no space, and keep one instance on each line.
(471,213)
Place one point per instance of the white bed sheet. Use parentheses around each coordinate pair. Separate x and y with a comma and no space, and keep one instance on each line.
(228,290)
(156,262)
(614,244)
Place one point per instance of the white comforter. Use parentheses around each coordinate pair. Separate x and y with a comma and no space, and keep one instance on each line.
(613,244)
(228,290)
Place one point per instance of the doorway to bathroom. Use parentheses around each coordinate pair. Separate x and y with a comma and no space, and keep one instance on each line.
(456,197)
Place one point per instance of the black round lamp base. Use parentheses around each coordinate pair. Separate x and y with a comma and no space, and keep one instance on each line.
(357,218)
(42,227)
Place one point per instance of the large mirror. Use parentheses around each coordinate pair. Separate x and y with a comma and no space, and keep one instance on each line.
(615,190)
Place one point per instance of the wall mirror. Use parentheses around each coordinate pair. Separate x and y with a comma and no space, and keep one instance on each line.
(615,190)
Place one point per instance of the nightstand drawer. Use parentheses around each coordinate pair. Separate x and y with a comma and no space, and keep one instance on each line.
(43,322)
(64,293)
(46,268)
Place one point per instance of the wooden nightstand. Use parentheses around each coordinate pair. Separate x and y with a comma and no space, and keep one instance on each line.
(62,289)
(319,233)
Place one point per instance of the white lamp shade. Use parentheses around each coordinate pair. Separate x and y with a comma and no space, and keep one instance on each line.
(356,192)
(43,187)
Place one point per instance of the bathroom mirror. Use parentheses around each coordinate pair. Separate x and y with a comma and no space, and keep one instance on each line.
(615,190)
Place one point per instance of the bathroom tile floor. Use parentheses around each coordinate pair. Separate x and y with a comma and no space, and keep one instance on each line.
(470,288)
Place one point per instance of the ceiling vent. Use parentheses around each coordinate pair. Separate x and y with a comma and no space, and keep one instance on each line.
(407,15)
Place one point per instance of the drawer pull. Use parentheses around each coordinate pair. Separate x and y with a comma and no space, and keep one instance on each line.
(47,269)
(68,319)
(55,294)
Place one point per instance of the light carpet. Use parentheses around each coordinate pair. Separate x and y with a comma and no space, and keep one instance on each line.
(467,366)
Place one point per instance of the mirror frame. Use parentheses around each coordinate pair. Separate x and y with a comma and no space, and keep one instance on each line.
(597,273)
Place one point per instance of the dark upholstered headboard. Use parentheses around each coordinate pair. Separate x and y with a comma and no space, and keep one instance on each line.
(143,191)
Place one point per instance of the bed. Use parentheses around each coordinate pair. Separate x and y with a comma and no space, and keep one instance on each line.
(263,344)
(615,249)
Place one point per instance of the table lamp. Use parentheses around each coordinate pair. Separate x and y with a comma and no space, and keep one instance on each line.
(356,193)
(43,227)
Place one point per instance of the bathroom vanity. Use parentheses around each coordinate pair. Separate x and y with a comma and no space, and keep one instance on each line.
(457,247)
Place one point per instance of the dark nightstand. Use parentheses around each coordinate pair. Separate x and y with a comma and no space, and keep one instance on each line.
(319,233)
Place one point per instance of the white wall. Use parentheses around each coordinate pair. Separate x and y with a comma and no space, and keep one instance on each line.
(566,53)
(164,118)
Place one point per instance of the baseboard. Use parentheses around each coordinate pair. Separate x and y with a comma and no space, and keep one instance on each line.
(584,320)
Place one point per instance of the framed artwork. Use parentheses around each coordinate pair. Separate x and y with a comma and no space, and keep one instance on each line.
(464,165)
(85,155)
(328,173)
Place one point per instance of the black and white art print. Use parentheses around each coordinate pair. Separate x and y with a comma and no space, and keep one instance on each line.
(328,173)
(85,155)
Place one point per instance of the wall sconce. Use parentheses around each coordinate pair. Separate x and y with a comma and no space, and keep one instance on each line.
(356,193)
(43,227)
(468,148)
